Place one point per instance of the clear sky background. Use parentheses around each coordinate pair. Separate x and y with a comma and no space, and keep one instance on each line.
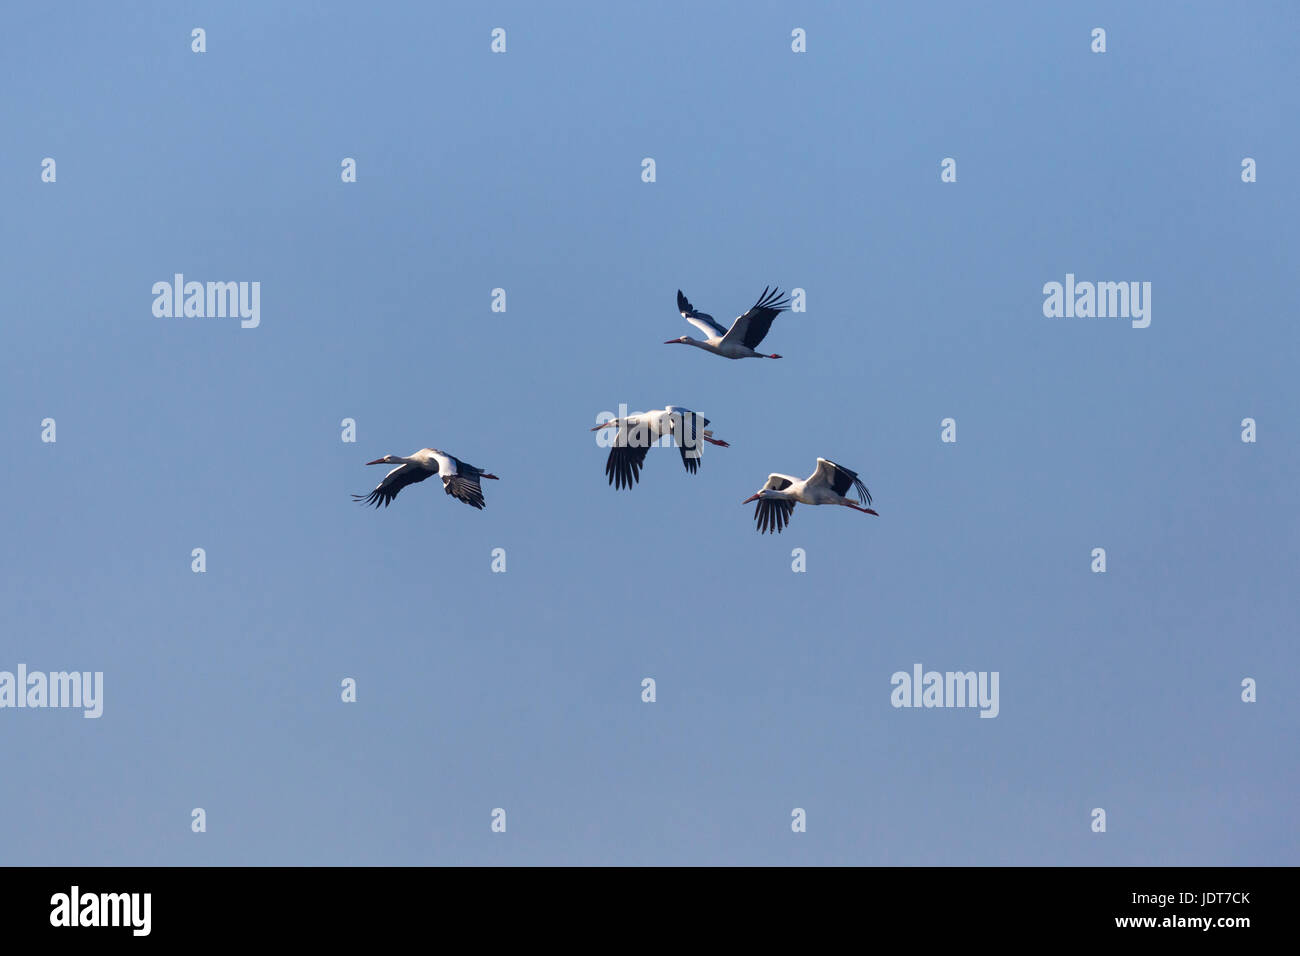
(522,690)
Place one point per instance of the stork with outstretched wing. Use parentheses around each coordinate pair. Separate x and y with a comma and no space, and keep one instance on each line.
(638,431)
(745,334)
(828,485)
(459,479)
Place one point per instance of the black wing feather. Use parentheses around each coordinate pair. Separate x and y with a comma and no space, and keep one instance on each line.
(624,464)
(685,308)
(767,308)
(689,442)
(690,458)
(387,489)
(464,488)
(773,515)
(464,485)
(845,479)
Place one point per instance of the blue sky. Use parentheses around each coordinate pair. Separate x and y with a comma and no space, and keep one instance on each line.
(522,690)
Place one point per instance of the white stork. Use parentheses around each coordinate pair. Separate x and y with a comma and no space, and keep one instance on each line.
(745,333)
(638,431)
(460,480)
(825,486)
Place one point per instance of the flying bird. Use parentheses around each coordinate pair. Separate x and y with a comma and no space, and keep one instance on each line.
(825,486)
(745,334)
(459,479)
(638,431)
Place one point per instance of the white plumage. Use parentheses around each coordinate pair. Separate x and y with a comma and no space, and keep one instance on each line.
(825,486)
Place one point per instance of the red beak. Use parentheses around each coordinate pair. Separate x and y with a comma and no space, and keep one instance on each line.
(377,461)
(673,342)
(749,499)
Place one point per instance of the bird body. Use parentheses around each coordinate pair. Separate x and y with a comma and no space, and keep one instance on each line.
(459,479)
(825,486)
(638,431)
(745,334)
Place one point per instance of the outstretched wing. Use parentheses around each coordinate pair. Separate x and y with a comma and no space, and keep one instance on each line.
(623,467)
(772,515)
(751,328)
(841,480)
(464,489)
(392,483)
(687,436)
(463,483)
(627,454)
(700,320)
